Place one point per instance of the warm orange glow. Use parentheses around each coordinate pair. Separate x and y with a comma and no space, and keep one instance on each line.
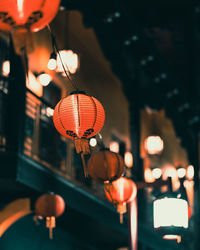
(156,172)
(105,165)
(170,237)
(128,159)
(70,61)
(12,212)
(34,85)
(148,177)
(44,79)
(31,14)
(79,116)
(48,205)
(114,146)
(6,68)
(120,191)
(190,172)
(153,145)
(52,64)
(171,172)
(181,172)
(20,8)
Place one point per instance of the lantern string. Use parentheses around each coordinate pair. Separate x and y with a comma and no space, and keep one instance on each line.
(66,71)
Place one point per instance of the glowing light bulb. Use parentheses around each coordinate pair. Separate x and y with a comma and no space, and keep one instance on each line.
(153,145)
(171,172)
(128,159)
(114,147)
(190,172)
(49,111)
(70,61)
(93,142)
(52,64)
(156,172)
(181,172)
(148,177)
(44,79)
(6,68)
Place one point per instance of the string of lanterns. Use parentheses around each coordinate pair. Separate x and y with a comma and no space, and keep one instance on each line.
(79,117)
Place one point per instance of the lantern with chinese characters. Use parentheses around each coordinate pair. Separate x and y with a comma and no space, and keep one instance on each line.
(105,166)
(50,206)
(21,17)
(79,117)
(120,192)
(171,215)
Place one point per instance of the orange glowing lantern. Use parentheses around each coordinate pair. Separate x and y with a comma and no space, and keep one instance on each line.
(105,166)
(79,117)
(50,206)
(120,192)
(20,16)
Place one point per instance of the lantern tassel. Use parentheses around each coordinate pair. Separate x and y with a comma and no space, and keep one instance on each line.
(50,223)
(121,209)
(82,147)
(84,165)
(22,40)
(121,218)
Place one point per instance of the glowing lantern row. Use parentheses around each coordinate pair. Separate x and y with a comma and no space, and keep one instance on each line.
(121,192)
(105,166)
(50,206)
(79,117)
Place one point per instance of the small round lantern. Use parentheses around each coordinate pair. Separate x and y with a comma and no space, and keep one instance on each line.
(20,17)
(171,216)
(120,192)
(79,117)
(105,166)
(50,206)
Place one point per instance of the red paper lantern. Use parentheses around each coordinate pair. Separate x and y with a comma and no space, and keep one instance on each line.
(50,206)
(105,166)
(79,117)
(30,14)
(120,192)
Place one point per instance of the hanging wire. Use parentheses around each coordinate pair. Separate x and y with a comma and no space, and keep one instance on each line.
(67,72)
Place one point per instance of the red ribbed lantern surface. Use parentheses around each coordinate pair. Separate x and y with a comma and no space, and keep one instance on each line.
(105,166)
(120,192)
(30,14)
(50,206)
(79,116)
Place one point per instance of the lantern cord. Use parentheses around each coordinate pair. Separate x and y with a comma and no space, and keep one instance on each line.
(67,72)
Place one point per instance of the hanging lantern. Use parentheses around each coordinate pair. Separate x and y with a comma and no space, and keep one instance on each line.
(171,216)
(105,166)
(50,206)
(79,117)
(20,17)
(120,192)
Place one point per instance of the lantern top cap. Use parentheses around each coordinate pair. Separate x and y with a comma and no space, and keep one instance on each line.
(77,92)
